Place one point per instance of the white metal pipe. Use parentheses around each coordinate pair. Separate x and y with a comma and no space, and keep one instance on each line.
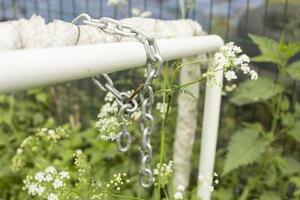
(22,69)
(210,127)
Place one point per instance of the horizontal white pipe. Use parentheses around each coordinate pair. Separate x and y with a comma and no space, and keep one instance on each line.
(22,69)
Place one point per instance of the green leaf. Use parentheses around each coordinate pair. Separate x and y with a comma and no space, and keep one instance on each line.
(285,104)
(255,91)
(288,165)
(223,194)
(41,97)
(269,195)
(295,132)
(287,119)
(254,126)
(245,193)
(269,49)
(292,48)
(246,147)
(293,70)
(273,51)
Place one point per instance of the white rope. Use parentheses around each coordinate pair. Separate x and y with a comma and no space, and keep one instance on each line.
(35,33)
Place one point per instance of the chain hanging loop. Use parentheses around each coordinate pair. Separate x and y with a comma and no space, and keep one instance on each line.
(126,102)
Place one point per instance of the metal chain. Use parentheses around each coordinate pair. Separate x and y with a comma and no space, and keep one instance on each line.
(127,103)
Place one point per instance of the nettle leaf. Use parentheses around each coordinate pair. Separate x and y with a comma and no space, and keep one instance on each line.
(288,165)
(269,49)
(269,195)
(293,70)
(254,126)
(246,147)
(287,119)
(291,48)
(255,91)
(295,132)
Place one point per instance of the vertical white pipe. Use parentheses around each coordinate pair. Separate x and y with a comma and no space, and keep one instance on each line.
(210,127)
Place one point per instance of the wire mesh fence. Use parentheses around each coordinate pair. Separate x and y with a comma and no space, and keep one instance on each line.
(229,18)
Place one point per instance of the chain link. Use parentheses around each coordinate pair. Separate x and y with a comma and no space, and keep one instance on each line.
(126,102)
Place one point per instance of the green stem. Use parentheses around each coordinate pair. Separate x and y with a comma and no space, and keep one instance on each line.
(281,83)
(165,193)
(182,86)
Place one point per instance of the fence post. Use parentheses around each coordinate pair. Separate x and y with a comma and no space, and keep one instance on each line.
(186,124)
(210,126)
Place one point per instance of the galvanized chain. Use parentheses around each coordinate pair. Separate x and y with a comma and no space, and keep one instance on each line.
(127,103)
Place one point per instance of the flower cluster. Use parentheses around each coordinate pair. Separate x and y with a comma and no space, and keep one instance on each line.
(179,193)
(42,182)
(51,134)
(117,181)
(163,172)
(108,124)
(208,180)
(228,89)
(32,144)
(231,59)
(82,165)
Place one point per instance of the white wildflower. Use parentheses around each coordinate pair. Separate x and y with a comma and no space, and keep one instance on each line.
(78,151)
(230,75)
(19,151)
(51,132)
(57,183)
(178,196)
(245,68)
(253,75)
(208,180)
(136,115)
(230,88)
(244,58)
(48,178)
(35,189)
(109,97)
(51,170)
(64,175)
(52,196)
(40,176)
(221,61)
(181,188)
(230,60)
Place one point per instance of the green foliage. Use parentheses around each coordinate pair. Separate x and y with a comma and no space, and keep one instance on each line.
(293,70)
(269,196)
(246,147)
(273,51)
(272,144)
(295,131)
(255,91)
(288,165)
